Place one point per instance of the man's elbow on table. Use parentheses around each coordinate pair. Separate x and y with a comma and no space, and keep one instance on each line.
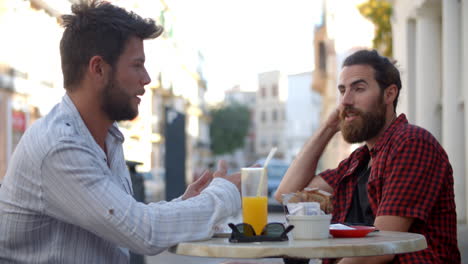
(316,182)
(150,250)
(278,197)
(386,223)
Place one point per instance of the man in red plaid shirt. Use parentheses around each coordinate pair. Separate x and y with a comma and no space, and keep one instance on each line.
(399,180)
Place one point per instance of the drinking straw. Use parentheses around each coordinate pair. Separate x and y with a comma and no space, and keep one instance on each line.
(263,176)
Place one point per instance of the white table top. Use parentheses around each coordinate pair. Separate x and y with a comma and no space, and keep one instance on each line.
(374,244)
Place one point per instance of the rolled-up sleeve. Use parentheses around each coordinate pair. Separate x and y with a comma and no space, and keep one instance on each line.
(417,171)
(330,177)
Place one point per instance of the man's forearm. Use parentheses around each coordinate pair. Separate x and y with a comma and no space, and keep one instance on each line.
(302,169)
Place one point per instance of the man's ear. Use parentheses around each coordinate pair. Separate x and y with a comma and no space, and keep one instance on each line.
(390,94)
(98,67)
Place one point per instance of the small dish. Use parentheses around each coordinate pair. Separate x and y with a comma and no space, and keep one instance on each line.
(308,227)
(357,231)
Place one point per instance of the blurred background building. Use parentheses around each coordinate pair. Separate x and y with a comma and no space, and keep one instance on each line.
(30,76)
(270,116)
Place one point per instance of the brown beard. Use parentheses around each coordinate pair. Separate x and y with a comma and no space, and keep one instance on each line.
(367,124)
(116,102)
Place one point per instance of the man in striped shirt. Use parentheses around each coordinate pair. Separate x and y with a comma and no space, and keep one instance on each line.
(67,195)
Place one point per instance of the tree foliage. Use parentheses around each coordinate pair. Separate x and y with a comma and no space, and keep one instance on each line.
(379,13)
(228,128)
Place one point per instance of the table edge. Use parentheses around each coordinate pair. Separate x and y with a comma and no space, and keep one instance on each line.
(352,250)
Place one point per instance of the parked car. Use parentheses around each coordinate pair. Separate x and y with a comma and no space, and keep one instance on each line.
(275,170)
(155,185)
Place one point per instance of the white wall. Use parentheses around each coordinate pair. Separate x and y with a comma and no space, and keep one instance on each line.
(429,45)
(303,108)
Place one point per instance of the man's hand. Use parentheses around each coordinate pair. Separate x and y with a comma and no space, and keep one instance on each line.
(222,173)
(196,187)
(333,120)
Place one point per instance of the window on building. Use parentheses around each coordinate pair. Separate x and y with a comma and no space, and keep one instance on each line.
(263,117)
(274,115)
(251,147)
(275,90)
(263,91)
(274,141)
(322,57)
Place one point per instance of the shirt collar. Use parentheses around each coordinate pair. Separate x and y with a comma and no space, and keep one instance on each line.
(115,131)
(401,120)
(68,103)
(360,155)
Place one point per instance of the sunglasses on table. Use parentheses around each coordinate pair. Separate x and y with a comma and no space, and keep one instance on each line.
(271,232)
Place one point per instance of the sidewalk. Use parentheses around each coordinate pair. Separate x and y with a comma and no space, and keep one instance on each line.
(462,242)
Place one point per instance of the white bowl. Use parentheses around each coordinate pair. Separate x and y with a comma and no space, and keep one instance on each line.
(310,226)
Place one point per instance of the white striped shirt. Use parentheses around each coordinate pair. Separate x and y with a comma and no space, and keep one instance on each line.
(61,201)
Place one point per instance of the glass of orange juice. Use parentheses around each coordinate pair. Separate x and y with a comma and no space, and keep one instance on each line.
(254,185)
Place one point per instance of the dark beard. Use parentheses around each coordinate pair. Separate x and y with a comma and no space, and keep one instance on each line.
(366,126)
(115,102)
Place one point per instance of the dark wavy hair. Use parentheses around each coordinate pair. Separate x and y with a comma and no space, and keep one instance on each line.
(98,29)
(386,72)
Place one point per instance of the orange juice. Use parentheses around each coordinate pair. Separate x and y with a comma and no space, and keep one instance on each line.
(255,211)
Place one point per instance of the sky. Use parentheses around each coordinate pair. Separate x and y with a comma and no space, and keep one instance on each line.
(241,38)
(238,38)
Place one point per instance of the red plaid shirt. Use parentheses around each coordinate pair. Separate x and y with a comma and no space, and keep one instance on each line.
(410,176)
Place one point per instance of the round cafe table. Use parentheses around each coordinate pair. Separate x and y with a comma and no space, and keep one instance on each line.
(374,244)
